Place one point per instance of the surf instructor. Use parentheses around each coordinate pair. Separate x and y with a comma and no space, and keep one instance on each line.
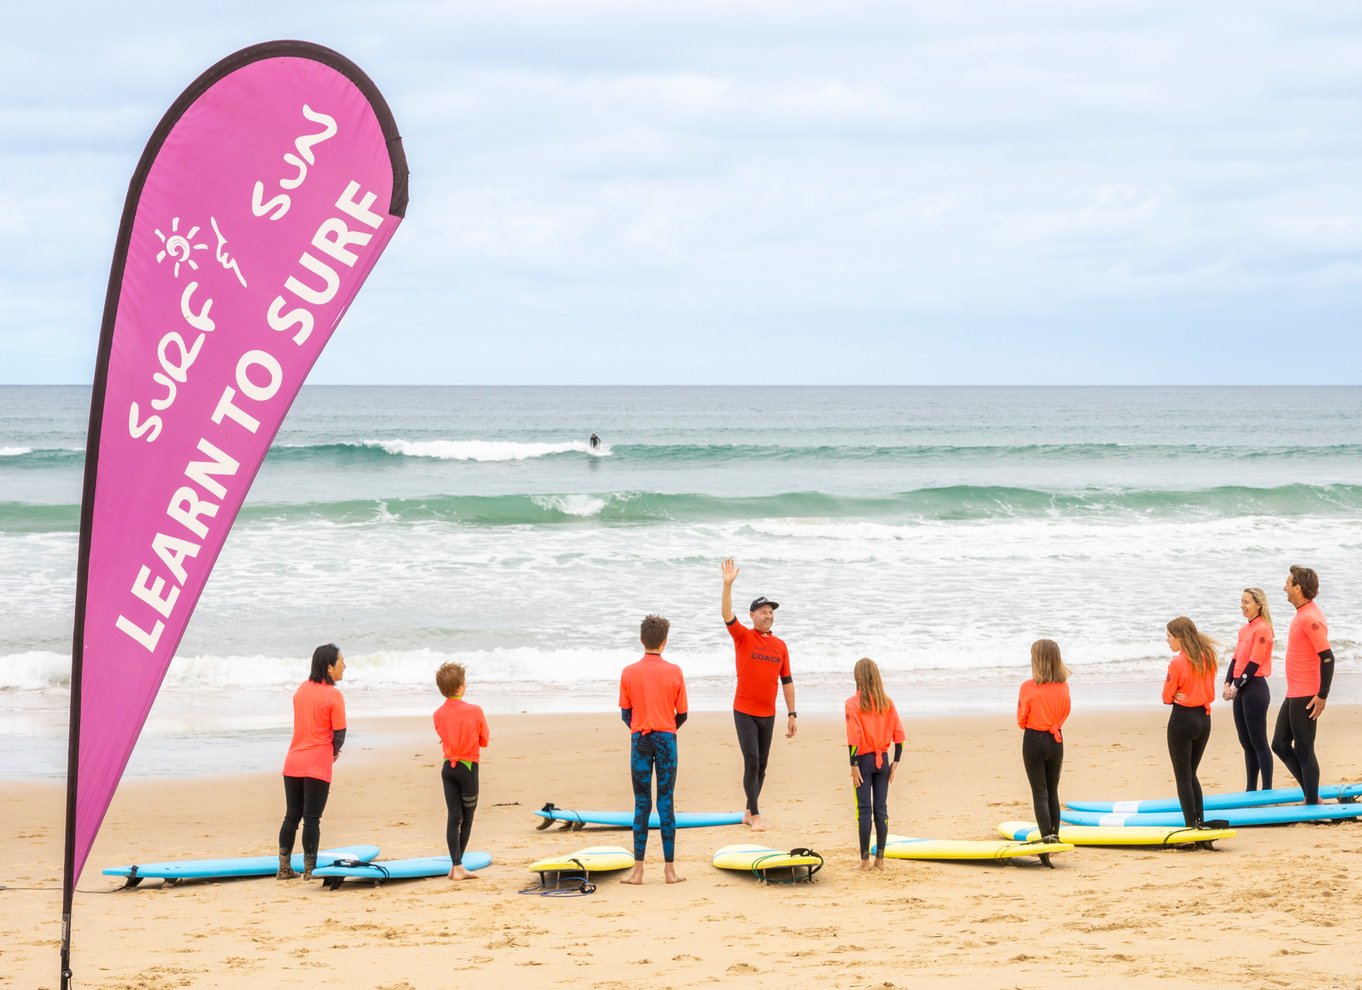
(762,661)
(1309,673)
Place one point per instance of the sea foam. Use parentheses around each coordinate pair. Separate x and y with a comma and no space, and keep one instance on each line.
(482,450)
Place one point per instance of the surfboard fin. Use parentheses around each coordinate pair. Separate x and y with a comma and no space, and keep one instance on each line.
(544,823)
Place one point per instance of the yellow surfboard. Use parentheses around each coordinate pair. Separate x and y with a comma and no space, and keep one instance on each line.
(802,863)
(1133,835)
(907,847)
(593,859)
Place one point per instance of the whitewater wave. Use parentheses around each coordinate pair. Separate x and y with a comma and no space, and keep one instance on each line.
(494,451)
(480,450)
(959,503)
(531,669)
(23,457)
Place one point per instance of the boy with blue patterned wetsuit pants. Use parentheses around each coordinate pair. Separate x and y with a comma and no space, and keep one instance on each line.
(653,704)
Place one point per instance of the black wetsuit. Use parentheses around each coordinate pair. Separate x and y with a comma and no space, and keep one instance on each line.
(460,782)
(754,740)
(1251,701)
(1189,730)
(1043,757)
(305,800)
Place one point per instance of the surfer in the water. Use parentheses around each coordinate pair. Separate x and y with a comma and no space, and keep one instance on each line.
(1309,672)
(462,729)
(653,704)
(318,734)
(762,662)
(595,441)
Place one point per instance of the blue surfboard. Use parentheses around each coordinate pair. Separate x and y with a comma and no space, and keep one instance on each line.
(1279,814)
(625,819)
(1234,799)
(398,869)
(242,866)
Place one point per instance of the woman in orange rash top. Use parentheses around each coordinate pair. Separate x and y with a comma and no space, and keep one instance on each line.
(318,734)
(1190,689)
(872,724)
(1042,707)
(1246,685)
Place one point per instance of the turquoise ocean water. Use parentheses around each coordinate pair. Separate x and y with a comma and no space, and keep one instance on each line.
(938,530)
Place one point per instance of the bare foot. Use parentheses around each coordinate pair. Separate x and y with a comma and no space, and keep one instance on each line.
(755,822)
(635,876)
(865,865)
(747,817)
(459,873)
(672,876)
(879,862)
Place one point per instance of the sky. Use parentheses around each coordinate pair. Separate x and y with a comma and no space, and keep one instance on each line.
(749,192)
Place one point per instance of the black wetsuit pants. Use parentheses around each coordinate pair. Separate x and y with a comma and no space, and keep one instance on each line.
(305,800)
(754,739)
(461,799)
(1189,730)
(1294,741)
(1043,758)
(1250,719)
(872,802)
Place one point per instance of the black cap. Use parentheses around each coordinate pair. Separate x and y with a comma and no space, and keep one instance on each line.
(759,602)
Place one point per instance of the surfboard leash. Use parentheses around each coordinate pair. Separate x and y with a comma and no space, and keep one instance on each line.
(359,864)
(761,872)
(583,883)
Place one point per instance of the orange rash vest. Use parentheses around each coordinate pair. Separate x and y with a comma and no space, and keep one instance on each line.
(762,660)
(1254,646)
(1197,690)
(462,728)
(1306,640)
(1043,707)
(656,691)
(872,732)
(318,711)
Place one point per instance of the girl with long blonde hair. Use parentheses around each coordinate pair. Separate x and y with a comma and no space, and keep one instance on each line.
(1042,707)
(1190,689)
(872,724)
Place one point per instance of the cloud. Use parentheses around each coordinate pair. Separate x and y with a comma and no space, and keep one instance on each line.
(584,169)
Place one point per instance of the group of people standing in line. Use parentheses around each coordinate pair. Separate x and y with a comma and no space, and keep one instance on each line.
(1190,688)
(653,704)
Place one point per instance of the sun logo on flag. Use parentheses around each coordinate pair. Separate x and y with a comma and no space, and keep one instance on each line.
(178,247)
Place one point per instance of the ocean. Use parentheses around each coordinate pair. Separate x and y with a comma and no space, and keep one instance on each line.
(938,530)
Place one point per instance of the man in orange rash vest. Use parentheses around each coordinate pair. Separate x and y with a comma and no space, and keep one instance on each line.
(1309,666)
(762,662)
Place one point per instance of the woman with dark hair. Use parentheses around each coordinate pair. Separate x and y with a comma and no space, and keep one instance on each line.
(318,734)
(1190,689)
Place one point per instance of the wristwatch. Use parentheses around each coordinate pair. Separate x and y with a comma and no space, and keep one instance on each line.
(793,715)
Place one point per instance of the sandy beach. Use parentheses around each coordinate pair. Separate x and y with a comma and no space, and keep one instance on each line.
(1273,907)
